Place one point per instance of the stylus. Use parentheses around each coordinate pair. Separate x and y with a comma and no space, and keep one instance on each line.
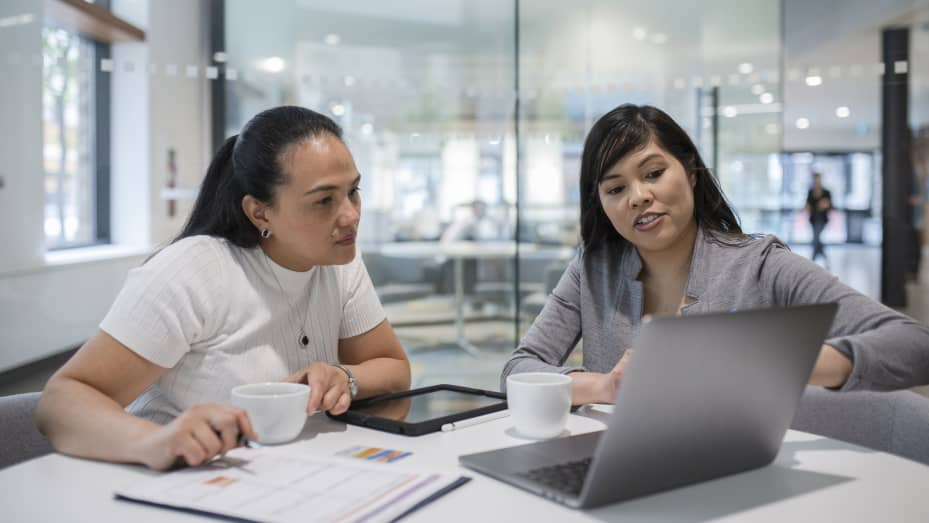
(474,421)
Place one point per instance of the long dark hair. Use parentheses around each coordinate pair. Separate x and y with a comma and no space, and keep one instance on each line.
(624,130)
(250,163)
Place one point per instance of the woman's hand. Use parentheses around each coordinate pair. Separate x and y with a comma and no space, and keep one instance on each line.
(595,387)
(832,368)
(328,388)
(196,436)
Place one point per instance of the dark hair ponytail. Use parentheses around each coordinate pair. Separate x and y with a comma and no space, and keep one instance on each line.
(250,163)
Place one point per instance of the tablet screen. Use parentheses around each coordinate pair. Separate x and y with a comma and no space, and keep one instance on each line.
(431,405)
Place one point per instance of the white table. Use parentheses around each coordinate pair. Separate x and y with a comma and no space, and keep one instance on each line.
(464,250)
(812,479)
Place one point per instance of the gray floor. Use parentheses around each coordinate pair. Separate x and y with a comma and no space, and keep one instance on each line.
(426,330)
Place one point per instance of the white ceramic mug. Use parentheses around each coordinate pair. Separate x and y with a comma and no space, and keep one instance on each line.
(539,403)
(277,410)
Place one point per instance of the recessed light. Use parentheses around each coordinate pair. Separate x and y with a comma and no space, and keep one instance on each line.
(367,128)
(349,80)
(730,111)
(757,89)
(802,123)
(332,39)
(843,111)
(746,68)
(766,98)
(813,80)
(273,64)
(338,109)
(639,33)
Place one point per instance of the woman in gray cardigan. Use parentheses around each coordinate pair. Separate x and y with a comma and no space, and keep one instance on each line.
(659,237)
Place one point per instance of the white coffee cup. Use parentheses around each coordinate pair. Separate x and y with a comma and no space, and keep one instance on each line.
(277,410)
(539,403)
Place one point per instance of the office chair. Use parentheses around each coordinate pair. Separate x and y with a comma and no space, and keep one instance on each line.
(21,439)
(895,422)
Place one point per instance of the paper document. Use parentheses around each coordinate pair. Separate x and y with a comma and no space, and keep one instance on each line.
(266,485)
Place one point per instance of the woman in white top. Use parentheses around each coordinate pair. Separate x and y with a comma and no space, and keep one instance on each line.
(263,284)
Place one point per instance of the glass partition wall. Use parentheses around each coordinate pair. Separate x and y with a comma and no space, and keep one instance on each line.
(467,121)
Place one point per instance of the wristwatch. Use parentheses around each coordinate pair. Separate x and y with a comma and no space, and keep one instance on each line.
(352,384)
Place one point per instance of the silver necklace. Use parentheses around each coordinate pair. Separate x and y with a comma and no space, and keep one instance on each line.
(302,339)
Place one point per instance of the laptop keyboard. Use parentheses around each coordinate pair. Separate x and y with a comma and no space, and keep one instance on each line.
(566,477)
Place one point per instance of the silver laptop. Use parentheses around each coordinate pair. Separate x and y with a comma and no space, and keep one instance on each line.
(704,396)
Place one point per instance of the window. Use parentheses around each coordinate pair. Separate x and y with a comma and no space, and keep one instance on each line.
(75,151)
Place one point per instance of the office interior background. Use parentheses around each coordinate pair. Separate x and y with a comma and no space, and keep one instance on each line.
(112,110)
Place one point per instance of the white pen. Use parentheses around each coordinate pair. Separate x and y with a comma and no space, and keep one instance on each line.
(455,425)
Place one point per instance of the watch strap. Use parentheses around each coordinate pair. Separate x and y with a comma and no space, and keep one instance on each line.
(352,383)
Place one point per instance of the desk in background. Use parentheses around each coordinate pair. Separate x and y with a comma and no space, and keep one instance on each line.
(812,479)
(469,250)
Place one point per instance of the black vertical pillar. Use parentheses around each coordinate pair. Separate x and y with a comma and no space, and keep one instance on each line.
(895,147)
(217,17)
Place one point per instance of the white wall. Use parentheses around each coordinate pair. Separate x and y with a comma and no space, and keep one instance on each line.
(52,303)
(21,198)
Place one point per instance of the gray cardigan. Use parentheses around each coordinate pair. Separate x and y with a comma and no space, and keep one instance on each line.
(600,298)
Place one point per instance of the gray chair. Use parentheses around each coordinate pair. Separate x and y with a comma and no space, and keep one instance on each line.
(896,422)
(21,440)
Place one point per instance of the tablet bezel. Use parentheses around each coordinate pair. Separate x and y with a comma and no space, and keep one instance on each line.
(423,427)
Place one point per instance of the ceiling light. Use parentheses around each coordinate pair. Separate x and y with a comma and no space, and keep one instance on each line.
(273,64)
(802,123)
(338,109)
(349,80)
(843,111)
(766,98)
(220,57)
(746,68)
(332,39)
(757,89)
(367,128)
(730,111)
(639,33)
(813,80)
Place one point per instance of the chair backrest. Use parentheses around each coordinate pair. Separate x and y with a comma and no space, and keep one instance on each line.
(21,440)
(896,422)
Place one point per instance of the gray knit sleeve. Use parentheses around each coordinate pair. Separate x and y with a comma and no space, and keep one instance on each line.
(888,349)
(555,332)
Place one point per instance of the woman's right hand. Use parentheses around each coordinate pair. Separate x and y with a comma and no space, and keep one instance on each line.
(196,436)
(595,387)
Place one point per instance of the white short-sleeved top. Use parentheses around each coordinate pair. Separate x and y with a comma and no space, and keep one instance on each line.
(218,315)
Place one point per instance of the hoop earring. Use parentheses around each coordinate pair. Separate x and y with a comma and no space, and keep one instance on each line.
(266,233)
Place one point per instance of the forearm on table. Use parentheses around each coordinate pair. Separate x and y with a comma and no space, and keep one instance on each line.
(79,420)
(381,376)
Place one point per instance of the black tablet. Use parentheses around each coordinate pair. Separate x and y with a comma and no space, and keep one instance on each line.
(421,411)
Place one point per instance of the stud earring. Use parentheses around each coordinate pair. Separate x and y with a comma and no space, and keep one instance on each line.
(266,233)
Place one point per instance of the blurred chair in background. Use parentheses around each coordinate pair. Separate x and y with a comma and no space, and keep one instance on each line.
(896,422)
(21,439)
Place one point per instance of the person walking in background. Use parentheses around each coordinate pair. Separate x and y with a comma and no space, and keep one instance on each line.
(818,204)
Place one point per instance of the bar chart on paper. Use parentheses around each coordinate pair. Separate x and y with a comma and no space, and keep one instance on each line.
(268,486)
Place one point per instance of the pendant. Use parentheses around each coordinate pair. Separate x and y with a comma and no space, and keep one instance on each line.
(304,339)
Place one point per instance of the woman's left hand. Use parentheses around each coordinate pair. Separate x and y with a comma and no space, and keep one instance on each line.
(832,368)
(328,388)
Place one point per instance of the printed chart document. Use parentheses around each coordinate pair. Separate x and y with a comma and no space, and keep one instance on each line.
(264,485)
